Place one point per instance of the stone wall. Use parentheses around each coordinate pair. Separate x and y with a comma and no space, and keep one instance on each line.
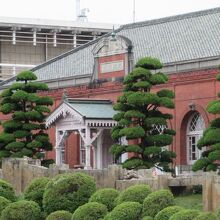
(19,172)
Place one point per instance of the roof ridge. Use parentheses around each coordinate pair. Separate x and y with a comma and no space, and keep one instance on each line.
(127,26)
(171,18)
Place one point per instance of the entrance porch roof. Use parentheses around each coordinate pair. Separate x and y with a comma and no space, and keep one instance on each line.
(89,112)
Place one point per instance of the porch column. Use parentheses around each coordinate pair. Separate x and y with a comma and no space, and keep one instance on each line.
(58,151)
(60,138)
(88,148)
(99,152)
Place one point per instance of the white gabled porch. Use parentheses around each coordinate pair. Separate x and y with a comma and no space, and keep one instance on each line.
(90,118)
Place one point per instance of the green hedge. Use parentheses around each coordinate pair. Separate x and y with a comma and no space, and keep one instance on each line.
(136,193)
(22,210)
(68,192)
(90,211)
(166,213)
(189,214)
(7,191)
(60,215)
(105,196)
(125,211)
(156,201)
(35,190)
(3,203)
(206,216)
(147,218)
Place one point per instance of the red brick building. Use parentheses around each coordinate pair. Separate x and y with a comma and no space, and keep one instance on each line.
(188,46)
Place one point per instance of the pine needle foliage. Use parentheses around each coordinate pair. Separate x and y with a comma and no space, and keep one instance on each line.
(24,132)
(210,141)
(140,118)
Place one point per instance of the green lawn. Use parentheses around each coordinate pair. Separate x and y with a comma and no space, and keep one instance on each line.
(193,201)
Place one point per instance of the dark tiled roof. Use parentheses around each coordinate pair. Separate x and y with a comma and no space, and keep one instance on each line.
(173,39)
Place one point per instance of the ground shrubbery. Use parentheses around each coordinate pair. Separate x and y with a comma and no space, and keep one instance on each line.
(35,190)
(185,215)
(147,218)
(90,211)
(68,192)
(22,210)
(3,203)
(136,193)
(156,201)
(105,196)
(166,213)
(7,191)
(206,216)
(60,215)
(74,197)
(125,211)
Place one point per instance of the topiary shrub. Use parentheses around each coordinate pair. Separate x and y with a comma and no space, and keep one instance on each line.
(136,193)
(22,210)
(60,215)
(68,192)
(7,191)
(166,213)
(105,196)
(218,213)
(156,201)
(147,218)
(206,216)
(35,190)
(188,214)
(47,163)
(125,211)
(3,203)
(90,211)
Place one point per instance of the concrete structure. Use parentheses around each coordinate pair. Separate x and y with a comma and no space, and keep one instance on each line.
(188,47)
(25,43)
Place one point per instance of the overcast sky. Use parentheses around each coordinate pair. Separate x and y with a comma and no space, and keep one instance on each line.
(107,11)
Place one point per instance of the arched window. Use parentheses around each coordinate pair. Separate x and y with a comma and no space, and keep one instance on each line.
(195,128)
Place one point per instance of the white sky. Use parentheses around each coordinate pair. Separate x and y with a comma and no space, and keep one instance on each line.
(106,11)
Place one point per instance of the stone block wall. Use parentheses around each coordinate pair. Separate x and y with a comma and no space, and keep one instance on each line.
(19,172)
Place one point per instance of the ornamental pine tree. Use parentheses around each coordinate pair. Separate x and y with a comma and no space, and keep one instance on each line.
(141,120)
(24,133)
(210,141)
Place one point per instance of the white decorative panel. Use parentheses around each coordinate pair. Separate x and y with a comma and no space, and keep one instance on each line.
(112,66)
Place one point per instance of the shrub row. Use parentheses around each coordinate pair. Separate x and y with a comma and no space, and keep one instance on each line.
(74,197)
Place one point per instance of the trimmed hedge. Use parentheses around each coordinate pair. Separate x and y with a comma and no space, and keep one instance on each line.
(166,213)
(218,210)
(188,214)
(147,218)
(105,196)
(7,191)
(3,203)
(90,211)
(125,211)
(35,190)
(60,215)
(206,216)
(22,210)
(156,201)
(68,192)
(136,193)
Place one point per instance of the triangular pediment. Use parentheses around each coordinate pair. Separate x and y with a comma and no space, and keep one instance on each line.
(64,110)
